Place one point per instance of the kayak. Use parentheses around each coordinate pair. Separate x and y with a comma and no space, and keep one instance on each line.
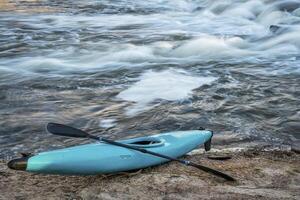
(103,158)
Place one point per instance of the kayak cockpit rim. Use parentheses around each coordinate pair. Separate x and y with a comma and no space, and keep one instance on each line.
(145,142)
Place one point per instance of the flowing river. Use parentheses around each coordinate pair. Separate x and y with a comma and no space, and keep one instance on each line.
(127,68)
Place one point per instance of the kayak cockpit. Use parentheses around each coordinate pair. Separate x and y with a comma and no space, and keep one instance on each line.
(145,142)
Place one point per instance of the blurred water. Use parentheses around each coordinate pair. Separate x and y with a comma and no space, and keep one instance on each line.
(140,67)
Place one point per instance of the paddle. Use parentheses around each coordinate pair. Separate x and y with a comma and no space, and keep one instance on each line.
(64,130)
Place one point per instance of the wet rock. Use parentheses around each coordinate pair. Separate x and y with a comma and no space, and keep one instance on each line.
(219,157)
(229,138)
(288,6)
(274,28)
(295,147)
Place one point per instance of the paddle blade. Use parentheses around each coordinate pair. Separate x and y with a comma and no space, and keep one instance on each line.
(212,171)
(64,130)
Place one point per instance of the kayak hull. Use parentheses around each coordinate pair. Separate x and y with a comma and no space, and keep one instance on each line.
(102,158)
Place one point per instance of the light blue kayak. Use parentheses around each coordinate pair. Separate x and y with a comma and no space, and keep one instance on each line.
(102,158)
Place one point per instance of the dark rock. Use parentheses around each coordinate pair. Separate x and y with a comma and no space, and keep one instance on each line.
(295,147)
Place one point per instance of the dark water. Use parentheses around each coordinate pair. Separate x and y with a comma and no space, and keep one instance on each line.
(126,68)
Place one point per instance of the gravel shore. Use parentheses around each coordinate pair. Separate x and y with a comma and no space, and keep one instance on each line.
(261,174)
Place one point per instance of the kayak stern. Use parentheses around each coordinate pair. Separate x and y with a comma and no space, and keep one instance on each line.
(18,164)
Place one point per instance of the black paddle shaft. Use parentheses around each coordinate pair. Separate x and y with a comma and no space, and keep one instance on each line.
(64,130)
(185,162)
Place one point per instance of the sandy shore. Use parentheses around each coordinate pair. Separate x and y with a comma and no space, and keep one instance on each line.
(261,175)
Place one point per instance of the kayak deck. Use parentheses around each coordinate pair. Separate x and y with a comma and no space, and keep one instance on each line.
(102,158)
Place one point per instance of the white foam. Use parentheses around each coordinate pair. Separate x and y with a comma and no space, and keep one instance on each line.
(107,123)
(211,47)
(131,53)
(288,39)
(194,30)
(171,85)
(246,10)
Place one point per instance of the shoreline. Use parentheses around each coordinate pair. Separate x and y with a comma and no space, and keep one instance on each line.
(262,173)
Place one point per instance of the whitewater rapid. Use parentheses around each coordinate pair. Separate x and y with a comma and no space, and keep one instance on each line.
(138,67)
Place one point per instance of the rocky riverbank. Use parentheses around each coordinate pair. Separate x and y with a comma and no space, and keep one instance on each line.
(263,174)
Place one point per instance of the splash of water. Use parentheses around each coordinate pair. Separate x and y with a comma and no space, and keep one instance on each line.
(170,85)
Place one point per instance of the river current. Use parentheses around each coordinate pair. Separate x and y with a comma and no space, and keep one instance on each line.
(128,68)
